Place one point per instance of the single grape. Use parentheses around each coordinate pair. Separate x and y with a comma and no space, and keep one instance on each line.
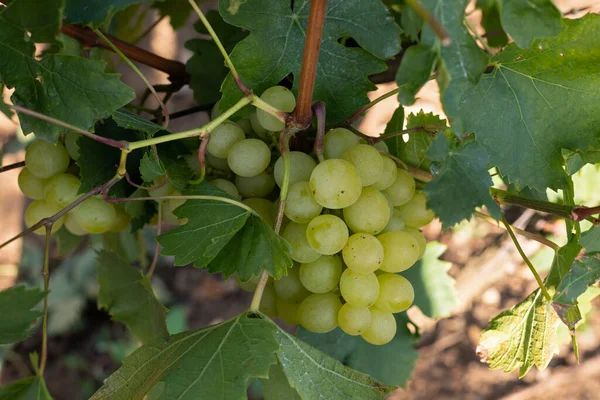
(249,285)
(227,186)
(363,253)
(31,185)
(288,311)
(122,220)
(265,208)
(403,188)
(354,320)
(268,302)
(367,161)
(359,290)
(61,190)
(396,293)
(388,175)
(337,141)
(300,205)
(369,214)
(256,186)
(256,127)
(382,329)
(321,275)
(223,137)
(418,235)
(45,160)
(400,249)
(216,163)
(282,99)
(415,213)
(327,234)
(396,223)
(295,234)
(289,288)
(95,215)
(160,188)
(73,227)
(71,145)
(318,312)
(215,112)
(301,166)
(245,124)
(249,157)
(39,210)
(335,184)
(168,206)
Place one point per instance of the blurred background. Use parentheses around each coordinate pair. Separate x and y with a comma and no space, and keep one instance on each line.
(86,347)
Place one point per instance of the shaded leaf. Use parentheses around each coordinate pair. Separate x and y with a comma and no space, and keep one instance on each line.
(141,212)
(151,168)
(134,122)
(178,11)
(575,160)
(490,20)
(591,240)
(582,275)
(414,151)
(32,388)
(416,67)
(277,386)
(95,12)
(67,242)
(17,317)
(42,22)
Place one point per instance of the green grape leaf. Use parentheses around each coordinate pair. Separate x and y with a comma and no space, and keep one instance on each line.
(525,21)
(391,363)
(150,168)
(315,375)
(521,111)
(582,274)
(178,11)
(134,122)
(462,176)
(271,51)
(211,363)
(412,23)
(416,67)
(95,12)
(141,212)
(435,294)
(490,20)
(67,242)
(17,316)
(414,151)
(575,160)
(32,388)
(395,124)
(277,386)
(177,169)
(127,295)
(224,237)
(591,240)
(42,22)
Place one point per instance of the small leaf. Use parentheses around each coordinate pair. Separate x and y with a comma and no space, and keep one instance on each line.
(127,295)
(211,363)
(575,160)
(435,294)
(315,375)
(42,23)
(582,274)
(414,151)
(462,177)
(277,386)
(141,212)
(150,168)
(395,124)
(67,242)
(32,388)
(17,318)
(416,67)
(490,20)
(591,240)
(96,13)
(134,122)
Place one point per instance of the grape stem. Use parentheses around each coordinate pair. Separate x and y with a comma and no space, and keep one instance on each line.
(431,130)
(437,28)
(367,106)
(202,160)
(157,246)
(417,173)
(186,197)
(188,111)
(46,275)
(320,113)
(12,166)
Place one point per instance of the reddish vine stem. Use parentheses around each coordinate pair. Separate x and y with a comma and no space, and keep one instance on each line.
(320,113)
(310,58)
(580,213)
(12,166)
(202,159)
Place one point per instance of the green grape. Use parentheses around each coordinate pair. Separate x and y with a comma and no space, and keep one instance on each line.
(318,312)
(169,206)
(335,184)
(388,176)
(248,286)
(73,227)
(215,112)
(354,320)
(227,186)
(256,127)
(295,234)
(400,250)
(359,290)
(279,97)
(321,275)
(268,302)
(122,221)
(403,188)
(45,160)
(337,141)
(301,166)
(396,223)
(245,124)
(289,288)
(415,213)
(418,235)
(61,190)
(31,185)
(71,145)
(327,234)
(216,163)
(396,293)
(223,137)
(363,253)
(249,157)
(367,161)
(256,186)
(39,210)
(300,205)
(160,191)
(382,329)
(369,214)
(265,208)
(288,311)
(95,215)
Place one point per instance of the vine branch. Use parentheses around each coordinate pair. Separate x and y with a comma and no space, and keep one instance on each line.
(12,166)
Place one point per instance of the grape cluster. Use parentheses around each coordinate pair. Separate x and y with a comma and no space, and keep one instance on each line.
(52,181)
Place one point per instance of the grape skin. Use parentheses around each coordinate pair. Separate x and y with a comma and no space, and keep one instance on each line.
(95,215)
(263,207)
(249,157)
(363,253)
(223,137)
(369,214)
(61,190)
(415,213)
(295,234)
(401,251)
(288,311)
(327,234)
(382,329)
(321,275)
(39,210)
(227,186)
(301,166)
(403,188)
(289,288)
(45,160)
(418,235)
(31,185)
(337,141)
(388,176)
(396,223)
(367,161)
(354,320)
(300,205)
(71,145)
(335,184)
(256,186)
(268,301)
(396,293)
(359,290)
(318,312)
(73,227)
(282,99)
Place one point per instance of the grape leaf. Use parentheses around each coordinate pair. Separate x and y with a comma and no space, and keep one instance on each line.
(224,237)
(391,363)
(178,11)
(150,168)
(42,22)
(141,212)
(435,294)
(591,240)
(134,122)
(17,317)
(416,67)
(277,386)
(67,242)
(32,388)
(575,160)
(315,375)
(462,176)
(582,274)
(490,20)
(521,111)
(95,12)
(414,151)
(277,32)
(211,363)
(127,295)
